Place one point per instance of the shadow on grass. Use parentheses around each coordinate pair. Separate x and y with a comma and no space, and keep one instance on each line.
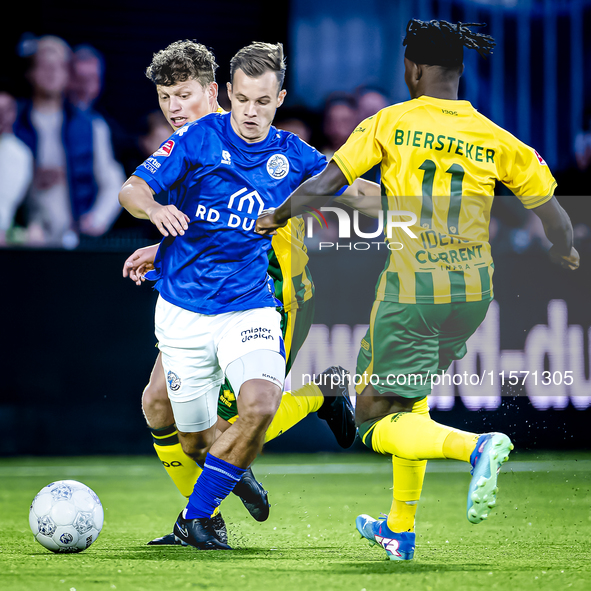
(390,566)
(182,553)
(310,559)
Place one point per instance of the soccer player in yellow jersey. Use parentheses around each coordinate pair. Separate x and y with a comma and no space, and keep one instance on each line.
(439,160)
(184,75)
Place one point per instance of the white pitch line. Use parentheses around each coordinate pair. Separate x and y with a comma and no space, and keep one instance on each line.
(434,466)
(63,472)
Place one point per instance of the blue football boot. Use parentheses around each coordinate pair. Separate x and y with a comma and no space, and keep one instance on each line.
(492,450)
(398,546)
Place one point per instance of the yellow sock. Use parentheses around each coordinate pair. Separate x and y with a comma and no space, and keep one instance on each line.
(412,438)
(180,467)
(402,516)
(417,437)
(459,445)
(408,484)
(294,407)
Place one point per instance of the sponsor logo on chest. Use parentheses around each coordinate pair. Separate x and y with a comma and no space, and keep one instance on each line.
(244,205)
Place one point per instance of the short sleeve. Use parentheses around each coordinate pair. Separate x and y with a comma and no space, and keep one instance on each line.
(362,151)
(175,157)
(315,162)
(526,174)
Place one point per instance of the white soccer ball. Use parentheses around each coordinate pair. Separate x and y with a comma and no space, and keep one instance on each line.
(66,516)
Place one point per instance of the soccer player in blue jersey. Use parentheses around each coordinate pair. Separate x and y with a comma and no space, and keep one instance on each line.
(216,313)
(184,76)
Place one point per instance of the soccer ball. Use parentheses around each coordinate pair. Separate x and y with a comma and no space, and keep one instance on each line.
(66,516)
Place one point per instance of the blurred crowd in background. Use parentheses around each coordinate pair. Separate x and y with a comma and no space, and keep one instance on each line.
(63,160)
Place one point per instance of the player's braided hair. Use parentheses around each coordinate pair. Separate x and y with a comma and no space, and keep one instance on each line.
(182,61)
(439,43)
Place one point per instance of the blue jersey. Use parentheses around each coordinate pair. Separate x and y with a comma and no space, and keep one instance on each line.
(223,183)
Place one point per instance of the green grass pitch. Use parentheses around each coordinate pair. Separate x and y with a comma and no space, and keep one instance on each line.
(538,537)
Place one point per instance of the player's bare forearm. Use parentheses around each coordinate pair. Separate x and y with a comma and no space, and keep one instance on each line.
(315,192)
(137,198)
(557,224)
(141,261)
(364,196)
(559,231)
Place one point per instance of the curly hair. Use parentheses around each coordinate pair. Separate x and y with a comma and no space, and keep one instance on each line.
(182,61)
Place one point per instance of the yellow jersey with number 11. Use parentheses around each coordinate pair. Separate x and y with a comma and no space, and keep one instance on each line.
(440,160)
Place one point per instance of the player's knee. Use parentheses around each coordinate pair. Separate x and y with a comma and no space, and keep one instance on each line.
(196,446)
(260,402)
(156,406)
(198,455)
(155,396)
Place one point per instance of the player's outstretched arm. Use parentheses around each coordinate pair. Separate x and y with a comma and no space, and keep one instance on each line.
(315,192)
(137,198)
(364,196)
(139,263)
(559,231)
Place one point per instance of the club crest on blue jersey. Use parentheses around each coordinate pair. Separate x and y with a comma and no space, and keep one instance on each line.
(278,166)
(174,382)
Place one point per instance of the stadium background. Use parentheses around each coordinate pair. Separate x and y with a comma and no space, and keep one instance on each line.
(78,341)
